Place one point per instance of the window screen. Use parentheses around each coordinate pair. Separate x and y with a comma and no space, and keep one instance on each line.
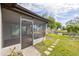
(38,30)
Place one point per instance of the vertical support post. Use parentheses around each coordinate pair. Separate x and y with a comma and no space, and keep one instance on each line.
(45,31)
(21,31)
(33,32)
(0,29)
(46,28)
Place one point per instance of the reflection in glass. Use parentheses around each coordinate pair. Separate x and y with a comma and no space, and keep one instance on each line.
(38,30)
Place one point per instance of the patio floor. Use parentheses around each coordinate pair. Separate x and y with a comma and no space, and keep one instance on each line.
(30,51)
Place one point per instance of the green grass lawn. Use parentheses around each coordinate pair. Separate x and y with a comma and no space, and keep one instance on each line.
(42,46)
(65,47)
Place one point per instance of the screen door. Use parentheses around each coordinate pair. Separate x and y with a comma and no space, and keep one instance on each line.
(26,34)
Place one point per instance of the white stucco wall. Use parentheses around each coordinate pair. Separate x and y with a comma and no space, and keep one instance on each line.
(0,28)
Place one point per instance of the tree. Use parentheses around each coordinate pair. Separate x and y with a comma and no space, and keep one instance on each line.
(69,28)
(73,25)
(63,28)
(51,23)
(58,25)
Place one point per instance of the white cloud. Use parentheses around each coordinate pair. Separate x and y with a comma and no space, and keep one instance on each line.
(61,7)
(40,1)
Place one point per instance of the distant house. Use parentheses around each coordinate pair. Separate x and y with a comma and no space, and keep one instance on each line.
(20,27)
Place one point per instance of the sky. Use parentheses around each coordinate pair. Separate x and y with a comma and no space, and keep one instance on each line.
(65,11)
(62,12)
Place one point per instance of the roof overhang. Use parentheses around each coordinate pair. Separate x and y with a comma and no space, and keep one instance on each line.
(17,8)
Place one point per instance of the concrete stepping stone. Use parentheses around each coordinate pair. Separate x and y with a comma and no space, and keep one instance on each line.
(47,52)
(52,46)
(57,39)
(50,49)
(56,42)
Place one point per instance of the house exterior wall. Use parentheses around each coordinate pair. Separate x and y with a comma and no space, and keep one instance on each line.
(6,50)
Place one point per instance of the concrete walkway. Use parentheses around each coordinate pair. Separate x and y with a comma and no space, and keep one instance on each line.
(30,51)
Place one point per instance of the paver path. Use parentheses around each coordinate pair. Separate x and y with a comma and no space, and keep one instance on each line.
(47,52)
(30,51)
(50,49)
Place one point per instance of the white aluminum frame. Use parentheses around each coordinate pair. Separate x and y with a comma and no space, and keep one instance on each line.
(0,29)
